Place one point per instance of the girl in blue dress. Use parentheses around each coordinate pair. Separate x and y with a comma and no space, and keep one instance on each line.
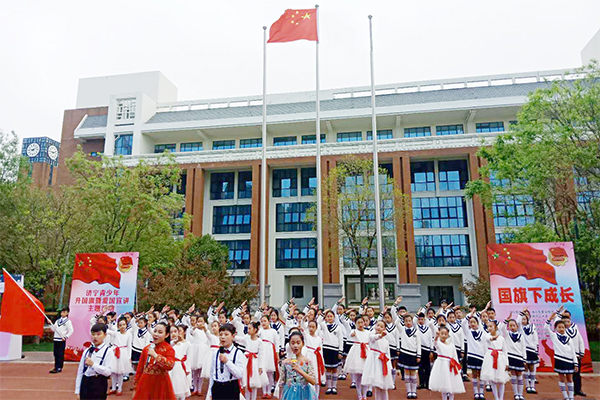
(297,373)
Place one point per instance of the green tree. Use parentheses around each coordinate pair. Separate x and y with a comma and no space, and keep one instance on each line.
(477,291)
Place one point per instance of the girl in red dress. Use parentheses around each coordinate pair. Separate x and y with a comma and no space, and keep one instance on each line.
(152,380)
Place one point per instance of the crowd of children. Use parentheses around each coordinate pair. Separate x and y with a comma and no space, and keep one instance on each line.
(291,353)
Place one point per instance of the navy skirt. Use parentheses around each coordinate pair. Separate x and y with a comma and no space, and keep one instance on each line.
(331,358)
(347,347)
(135,355)
(532,357)
(408,361)
(563,367)
(515,364)
(393,354)
(474,363)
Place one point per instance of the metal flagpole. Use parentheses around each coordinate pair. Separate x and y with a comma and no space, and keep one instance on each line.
(263,177)
(320,299)
(376,178)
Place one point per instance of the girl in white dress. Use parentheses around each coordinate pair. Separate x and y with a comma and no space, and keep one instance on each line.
(254,376)
(495,361)
(212,336)
(447,378)
(201,349)
(378,368)
(314,346)
(270,339)
(122,359)
(180,374)
(357,356)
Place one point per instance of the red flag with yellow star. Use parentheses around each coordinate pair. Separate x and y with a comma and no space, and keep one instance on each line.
(519,259)
(294,25)
(97,267)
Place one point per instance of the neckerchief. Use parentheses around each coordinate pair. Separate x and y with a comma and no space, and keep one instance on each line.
(245,330)
(390,327)
(572,331)
(477,335)
(529,329)
(564,339)
(331,327)
(410,331)
(423,328)
(62,321)
(454,327)
(276,326)
(141,332)
(515,336)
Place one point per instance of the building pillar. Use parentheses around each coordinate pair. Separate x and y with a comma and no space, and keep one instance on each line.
(255,225)
(198,207)
(410,229)
(400,225)
(481,230)
(323,252)
(189,197)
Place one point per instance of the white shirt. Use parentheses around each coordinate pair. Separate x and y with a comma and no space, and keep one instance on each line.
(229,371)
(62,328)
(103,359)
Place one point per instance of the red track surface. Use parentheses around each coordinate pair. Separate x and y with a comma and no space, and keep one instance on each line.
(32,381)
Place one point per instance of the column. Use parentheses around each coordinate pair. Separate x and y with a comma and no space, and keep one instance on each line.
(189,196)
(410,230)
(255,225)
(481,231)
(198,206)
(400,225)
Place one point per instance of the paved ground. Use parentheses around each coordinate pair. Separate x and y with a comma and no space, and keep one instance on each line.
(29,379)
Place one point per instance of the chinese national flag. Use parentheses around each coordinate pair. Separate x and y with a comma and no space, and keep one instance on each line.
(97,267)
(519,259)
(20,316)
(294,25)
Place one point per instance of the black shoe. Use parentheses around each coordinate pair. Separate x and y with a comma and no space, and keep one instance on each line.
(465,378)
(328,391)
(334,391)
(53,371)
(488,388)
(353,385)
(342,377)
(580,393)
(369,393)
(125,378)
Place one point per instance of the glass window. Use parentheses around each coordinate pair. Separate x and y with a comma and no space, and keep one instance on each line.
(245,185)
(239,253)
(238,280)
(444,130)
(309,181)
(246,143)
(125,109)
(285,141)
(453,174)
(388,247)
(422,176)
(223,144)
(123,145)
(439,212)
(417,132)
(182,187)
(384,134)
(296,253)
(511,210)
(231,219)
(285,183)
(312,139)
(297,292)
(291,217)
(161,148)
(484,127)
(192,146)
(363,213)
(221,185)
(438,293)
(442,250)
(504,237)
(349,136)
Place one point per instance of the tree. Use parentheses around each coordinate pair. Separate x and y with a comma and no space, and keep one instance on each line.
(198,275)
(348,192)
(12,164)
(477,291)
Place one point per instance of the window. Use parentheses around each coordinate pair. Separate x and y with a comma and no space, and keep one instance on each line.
(385,134)
(285,141)
(296,253)
(417,132)
(484,127)
(50,176)
(285,183)
(439,212)
(312,139)
(192,146)
(364,213)
(513,210)
(123,145)
(438,293)
(291,217)
(308,181)
(221,185)
(349,136)
(223,144)
(513,122)
(443,251)
(231,219)
(422,176)
(245,185)
(247,143)
(297,292)
(182,187)
(388,247)
(125,109)
(161,148)
(504,237)
(238,280)
(453,174)
(239,253)
(444,130)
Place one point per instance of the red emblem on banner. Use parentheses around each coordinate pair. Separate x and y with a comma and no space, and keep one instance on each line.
(97,267)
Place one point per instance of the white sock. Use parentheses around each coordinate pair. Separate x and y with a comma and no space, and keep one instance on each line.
(513,382)
(200,384)
(113,381)
(358,389)
(571,389)
(495,392)
(520,384)
(563,390)
(120,382)
(500,390)
(474,381)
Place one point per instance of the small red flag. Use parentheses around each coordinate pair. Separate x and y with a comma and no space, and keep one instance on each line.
(519,259)
(97,267)
(294,25)
(20,316)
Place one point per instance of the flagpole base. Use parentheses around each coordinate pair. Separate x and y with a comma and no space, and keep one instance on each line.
(332,292)
(10,346)
(411,295)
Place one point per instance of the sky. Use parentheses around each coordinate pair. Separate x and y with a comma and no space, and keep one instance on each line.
(211,49)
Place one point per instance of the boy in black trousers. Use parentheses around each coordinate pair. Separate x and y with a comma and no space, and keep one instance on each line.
(94,367)
(62,328)
(227,367)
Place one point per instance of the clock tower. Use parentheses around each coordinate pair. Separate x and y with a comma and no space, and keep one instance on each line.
(42,153)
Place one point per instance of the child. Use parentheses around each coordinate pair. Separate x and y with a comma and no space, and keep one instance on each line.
(62,328)
(357,356)
(531,349)
(314,345)
(565,357)
(377,372)
(122,359)
(152,381)
(94,367)
(365,309)
(271,360)
(515,350)
(393,337)
(201,348)
(579,346)
(446,368)
(410,355)
(333,344)
(227,367)
(425,332)
(254,376)
(298,373)
(140,339)
(495,361)
(212,336)
(180,375)
(474,335)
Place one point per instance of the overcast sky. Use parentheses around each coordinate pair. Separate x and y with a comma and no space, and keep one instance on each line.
(214,48)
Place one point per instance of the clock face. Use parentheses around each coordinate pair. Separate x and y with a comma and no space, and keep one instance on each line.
(53,152)
(33,150)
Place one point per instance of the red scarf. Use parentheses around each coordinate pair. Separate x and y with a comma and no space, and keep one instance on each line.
(363,350)
(118,351)
(384,359)
(182,361)
(249,356)
(320,362)
(276,358)
(495,354)
(454,365)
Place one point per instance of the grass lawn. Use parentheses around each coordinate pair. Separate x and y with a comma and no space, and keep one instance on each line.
(44,346)
(595,349)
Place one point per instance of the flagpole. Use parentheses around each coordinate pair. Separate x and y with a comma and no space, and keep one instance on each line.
(263,178)
(320,299)
(376,177)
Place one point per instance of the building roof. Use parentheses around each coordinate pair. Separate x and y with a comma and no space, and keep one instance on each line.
(95,121)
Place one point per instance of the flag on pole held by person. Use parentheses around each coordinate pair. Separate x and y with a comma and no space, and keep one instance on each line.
(22,313)
(295,25)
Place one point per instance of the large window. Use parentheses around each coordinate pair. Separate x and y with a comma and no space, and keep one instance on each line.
(308,181)
(296,253)
(442,250)
(221,185)
(384,134)
(422,176)
(291,217)
(285,141)
(239,253)
(388,247)
(245,185)
(312,139)
(231,219)
(504,237)
(125,109)
(223,144)
(417,132)
(444,130)
(123,145)
(161,148)
(485,127)
(510,210)
(439,212)
(246,143)
(349,136)
(454,174)
(285,182)
(191,146)
(438,293)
